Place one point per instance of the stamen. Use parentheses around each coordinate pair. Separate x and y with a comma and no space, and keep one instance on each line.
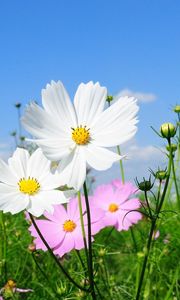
(29,186)
(69,226)
(113,207)
(80,135)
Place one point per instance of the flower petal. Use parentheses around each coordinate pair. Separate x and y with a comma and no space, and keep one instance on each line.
(100,158)
(73,168)
(18,162)
(57,103)
(66,246)
(14,203)
(131,204)
(7,175)
(57,148)
(40,124)
(116,124)
(43,201)
(89,102)
(52,233)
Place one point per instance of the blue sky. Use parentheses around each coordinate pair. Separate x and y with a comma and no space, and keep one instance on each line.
(130,44)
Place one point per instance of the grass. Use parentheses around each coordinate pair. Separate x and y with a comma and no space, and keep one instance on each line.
(117,264)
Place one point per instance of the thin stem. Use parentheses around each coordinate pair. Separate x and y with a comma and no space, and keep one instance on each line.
(153,225)
(43,273)
(55,257)
(147,202)
(82,227)
(174,174)
(91,275)
(121,165)
(159,194)
(4,246)
(145,259)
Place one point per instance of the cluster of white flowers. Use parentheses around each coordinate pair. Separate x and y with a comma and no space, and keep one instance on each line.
(72,134)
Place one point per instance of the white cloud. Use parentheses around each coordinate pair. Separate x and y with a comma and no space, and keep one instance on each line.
(142,97)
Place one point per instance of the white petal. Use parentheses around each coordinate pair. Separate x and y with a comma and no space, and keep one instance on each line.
(73,168)
(100,158)
(43,201)
(6,174)
(117,124)
(41,124)
(51,181)
(38,165)
(18,162)
(14,203)
(89,102)
(57,103)
(55,149)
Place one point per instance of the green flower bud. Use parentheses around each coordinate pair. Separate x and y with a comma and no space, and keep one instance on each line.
(177,109)
(145,185)
(161,174)
(168,130)
(173,147)
(102,252)
(109,98)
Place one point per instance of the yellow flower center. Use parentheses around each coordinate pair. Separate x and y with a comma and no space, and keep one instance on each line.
(113,207)
(29,186)
(80,135)
(69,226)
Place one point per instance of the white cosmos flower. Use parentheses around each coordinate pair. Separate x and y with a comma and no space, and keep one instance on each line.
(26,182)
(77,134)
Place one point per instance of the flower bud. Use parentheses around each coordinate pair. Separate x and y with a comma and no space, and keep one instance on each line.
(161,174)
(173,147)
(168,130)
(145,185)
(102,252)
(177,109)
(109,98)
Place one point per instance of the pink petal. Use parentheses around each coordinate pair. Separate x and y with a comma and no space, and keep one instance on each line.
(52,232)
(66,246)
(131,204)
(59,214)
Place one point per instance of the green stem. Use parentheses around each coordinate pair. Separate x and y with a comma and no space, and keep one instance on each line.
(147,202)
(55,257)
(44,274)
(174,174)
(153,225)
(91,275)
(82,227)
(121,165)
(4,247)
(159,194)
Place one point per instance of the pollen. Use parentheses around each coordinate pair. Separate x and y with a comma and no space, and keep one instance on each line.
(113,207)
(80,135)
(29,186)
(69,226)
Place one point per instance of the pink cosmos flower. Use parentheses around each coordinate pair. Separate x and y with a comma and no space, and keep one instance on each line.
(62,229)
(118,204)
